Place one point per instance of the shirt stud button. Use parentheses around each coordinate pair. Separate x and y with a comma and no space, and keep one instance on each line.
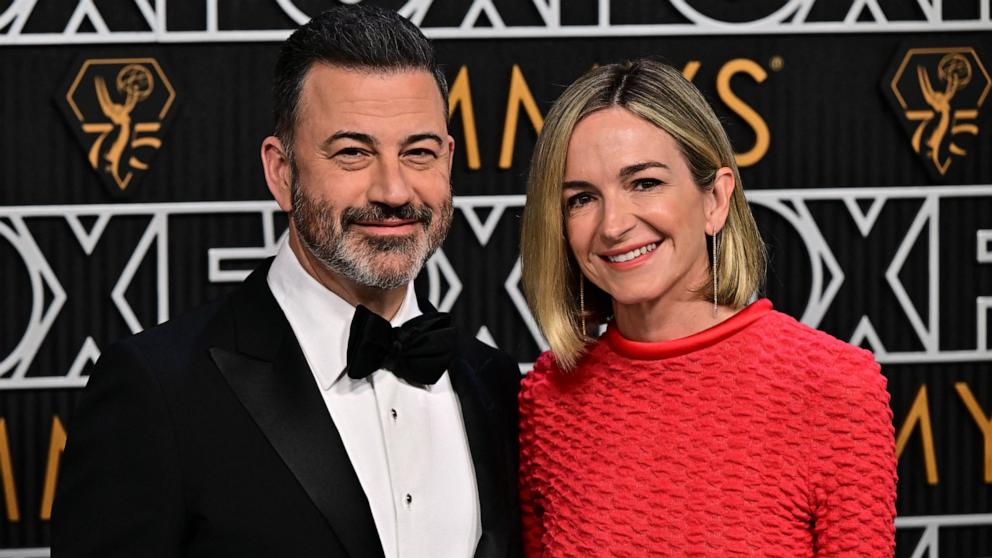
(394,414)
(409,499)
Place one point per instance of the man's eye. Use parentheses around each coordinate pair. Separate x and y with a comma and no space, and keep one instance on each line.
(421,154)
(350,153)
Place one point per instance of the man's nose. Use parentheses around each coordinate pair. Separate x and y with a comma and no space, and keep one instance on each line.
(390,186)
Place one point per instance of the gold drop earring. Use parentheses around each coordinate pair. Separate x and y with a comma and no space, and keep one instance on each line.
(716,307)
(582,303)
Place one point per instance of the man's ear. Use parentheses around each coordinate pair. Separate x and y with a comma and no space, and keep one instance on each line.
(718,200)
(278,172)
(451,153)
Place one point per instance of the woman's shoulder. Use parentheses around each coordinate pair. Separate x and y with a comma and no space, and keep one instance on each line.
(809,350)
(801,340)
(544,366)
(546,363)
(548,375)
(537,386)
(544,373)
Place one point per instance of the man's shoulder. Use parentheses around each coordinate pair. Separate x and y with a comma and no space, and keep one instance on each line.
(176,339)
(211,323)
(187,326)
(480,356)
(492,375)
(494,371)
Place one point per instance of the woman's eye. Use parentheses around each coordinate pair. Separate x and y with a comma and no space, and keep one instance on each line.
(646,183)
(578,200)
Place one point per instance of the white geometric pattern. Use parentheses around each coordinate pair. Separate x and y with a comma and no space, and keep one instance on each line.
(790,18)
(437,267)
(928,546)
(40,274)
(444,285)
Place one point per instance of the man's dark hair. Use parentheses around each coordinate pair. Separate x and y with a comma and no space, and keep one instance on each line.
(354,37)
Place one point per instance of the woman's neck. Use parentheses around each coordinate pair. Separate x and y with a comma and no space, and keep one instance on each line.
(664,320)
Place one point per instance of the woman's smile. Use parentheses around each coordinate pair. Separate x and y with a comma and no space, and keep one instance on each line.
(625,258)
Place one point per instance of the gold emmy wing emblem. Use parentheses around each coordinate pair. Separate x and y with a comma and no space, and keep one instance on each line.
(119,106)
(940,92)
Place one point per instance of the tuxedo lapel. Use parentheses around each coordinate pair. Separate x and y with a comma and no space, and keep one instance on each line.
(487,456)
(489,453)
(267,371)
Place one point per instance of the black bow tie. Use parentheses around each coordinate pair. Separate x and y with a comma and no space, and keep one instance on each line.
(418,351)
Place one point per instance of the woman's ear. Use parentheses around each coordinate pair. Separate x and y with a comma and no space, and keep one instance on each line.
(718,200)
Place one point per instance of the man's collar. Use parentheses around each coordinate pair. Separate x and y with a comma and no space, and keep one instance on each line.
(321,320)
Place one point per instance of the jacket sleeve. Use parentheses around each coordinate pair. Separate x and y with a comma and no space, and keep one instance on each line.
(511,395)
(853,462)
(119,491)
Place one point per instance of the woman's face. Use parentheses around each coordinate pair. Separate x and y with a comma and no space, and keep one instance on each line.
(635,220)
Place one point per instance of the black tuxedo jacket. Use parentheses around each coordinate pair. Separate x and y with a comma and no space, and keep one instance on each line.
(207,437)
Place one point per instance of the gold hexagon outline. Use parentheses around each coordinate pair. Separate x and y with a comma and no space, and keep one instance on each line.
(937,50)
(95,61)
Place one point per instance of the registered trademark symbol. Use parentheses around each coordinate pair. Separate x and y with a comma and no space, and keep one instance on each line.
(776,63)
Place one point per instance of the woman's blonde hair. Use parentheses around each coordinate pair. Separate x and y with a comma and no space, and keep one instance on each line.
(660,95)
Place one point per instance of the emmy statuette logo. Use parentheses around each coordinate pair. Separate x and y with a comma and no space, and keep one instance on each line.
(118,108)
(938,94)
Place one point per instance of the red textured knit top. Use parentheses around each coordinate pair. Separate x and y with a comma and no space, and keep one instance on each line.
(757,437)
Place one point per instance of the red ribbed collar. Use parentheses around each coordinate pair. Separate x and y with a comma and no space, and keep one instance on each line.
(666,349)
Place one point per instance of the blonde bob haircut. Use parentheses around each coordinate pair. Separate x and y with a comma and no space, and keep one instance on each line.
(660,95)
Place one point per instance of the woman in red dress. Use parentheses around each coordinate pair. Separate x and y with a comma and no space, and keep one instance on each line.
(702,422)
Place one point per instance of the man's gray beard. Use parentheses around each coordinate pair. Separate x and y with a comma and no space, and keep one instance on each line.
(328,241)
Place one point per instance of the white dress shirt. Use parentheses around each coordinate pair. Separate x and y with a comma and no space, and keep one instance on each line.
(406,442)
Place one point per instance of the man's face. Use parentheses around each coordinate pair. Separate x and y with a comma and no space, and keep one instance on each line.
(371,198)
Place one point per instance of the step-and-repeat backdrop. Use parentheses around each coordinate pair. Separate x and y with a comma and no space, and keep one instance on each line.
(131,191)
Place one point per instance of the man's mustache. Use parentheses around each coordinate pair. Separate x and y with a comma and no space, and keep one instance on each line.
(380,212)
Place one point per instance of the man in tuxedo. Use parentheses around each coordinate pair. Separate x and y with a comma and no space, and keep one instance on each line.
(320,409)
